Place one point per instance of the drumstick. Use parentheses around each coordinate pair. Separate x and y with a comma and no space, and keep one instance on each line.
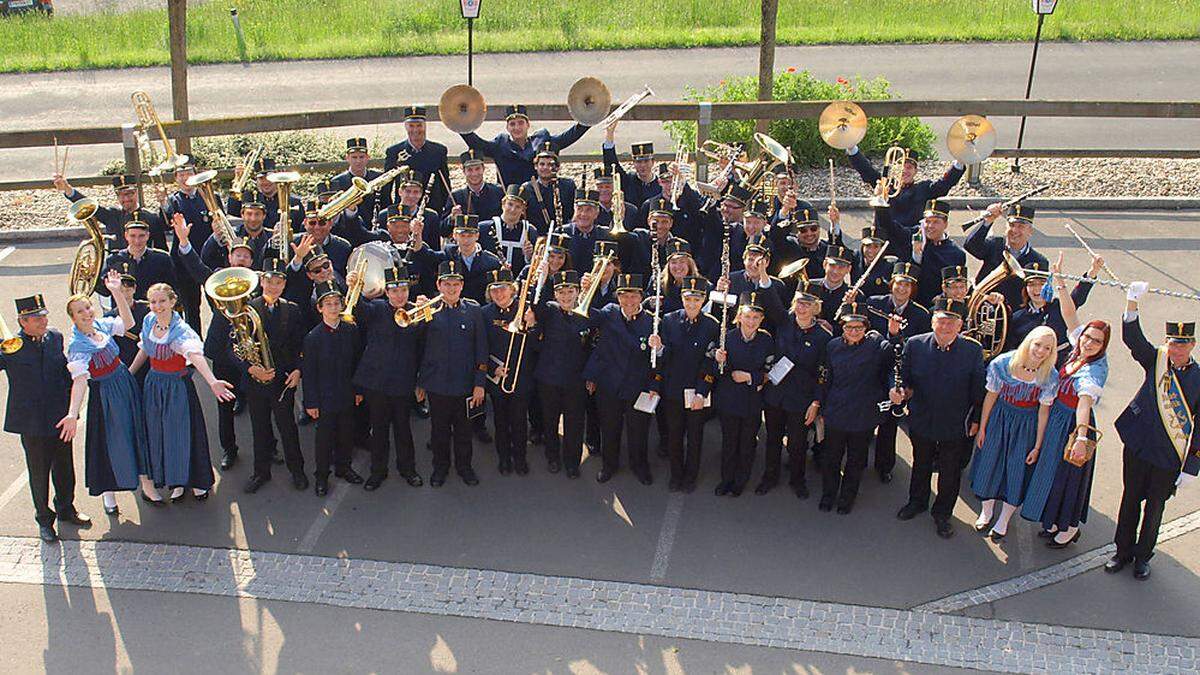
(449,190)
(832,194)
(66,153)
(56,155)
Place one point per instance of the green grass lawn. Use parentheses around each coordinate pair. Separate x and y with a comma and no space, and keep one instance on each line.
(293,29)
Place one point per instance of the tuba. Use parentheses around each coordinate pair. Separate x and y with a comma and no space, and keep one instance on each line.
(987,322)
(281,238)
(420,313)
(230,290)
(11,343)
(221,226)
(89,256)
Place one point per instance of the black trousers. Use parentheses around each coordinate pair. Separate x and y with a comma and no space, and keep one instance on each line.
(263,404)
(189,296)
(840,481)
(1143,482)
(682,423)
(592,434)
(231,374)
(537,424)
(47,457)
(335,440)
(448,421)
(949,469)
(885,444)
(782,422)
(512,427)
(389,419)
(569,403)
(739,443)
(616,413)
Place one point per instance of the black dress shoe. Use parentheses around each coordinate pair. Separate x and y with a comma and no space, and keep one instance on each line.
(506,466)
(47,533)
(764,487)
(203,496)
(113,510)
(373,483)
(154,502)
(468,476)
(521,467)
(350,476)
(736,490)
(1116,564)
(944,529)
(604,476)
(1054,543)
(645,478)
(721,490)
(321,486)
(77,519)
(299,481)
(801,490)
(553,466)
(438,479)
(256,481)
(572,473)
(1141,569)
(843,509)
(910,511)
(413,479)
(228,460)
(1044,534)
(826,504)
(885,477)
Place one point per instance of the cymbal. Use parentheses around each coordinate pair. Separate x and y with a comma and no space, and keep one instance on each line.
(971,139)
(588,101)
(843,124)
(462,108)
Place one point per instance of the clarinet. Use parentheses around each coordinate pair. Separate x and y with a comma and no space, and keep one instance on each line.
(658,298)
(886,405)
(558,213)
(724,300)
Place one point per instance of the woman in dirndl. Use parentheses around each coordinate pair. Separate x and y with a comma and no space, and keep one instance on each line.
(116,450)
(1060,487)
(175,427)
(1020,388)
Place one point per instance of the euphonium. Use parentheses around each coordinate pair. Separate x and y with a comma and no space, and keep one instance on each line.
(230,289)
(986,321)
(243,179)
(599,264)
(420,313)
(89,256)
(281,238)
(343,200)
(220,223)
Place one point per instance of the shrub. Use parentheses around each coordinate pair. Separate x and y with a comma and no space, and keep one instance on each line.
(801,135)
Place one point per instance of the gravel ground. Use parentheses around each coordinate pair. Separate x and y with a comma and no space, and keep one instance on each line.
(1067,178)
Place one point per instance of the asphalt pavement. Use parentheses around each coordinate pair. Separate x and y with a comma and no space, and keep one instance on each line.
(1101,70)
(773,546)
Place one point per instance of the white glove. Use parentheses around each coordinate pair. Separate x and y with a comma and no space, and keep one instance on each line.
(852,151)
(1184,479)
(1136,290)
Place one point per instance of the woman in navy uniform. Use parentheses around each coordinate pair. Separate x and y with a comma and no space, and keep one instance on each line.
(331,352)
(942,378)
(452,372)
(510,409)
(792,401)
(116,453)
(39,395)
(619,372)
(857,365)
(741,369)
(679,266)
(1036,310)
(388,391)
(564,350)
(1161,453)
(686,336)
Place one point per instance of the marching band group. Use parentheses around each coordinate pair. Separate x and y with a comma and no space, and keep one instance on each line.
(587,313)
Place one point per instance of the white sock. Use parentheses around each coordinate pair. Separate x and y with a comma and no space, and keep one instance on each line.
(1006,512)
(986,509)
(198,491)
(1066,535)
(177,493)
(110,500)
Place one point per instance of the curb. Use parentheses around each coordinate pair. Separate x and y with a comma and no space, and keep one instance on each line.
(857,203)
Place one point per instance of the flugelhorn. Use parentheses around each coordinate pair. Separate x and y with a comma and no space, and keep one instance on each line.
(888,185)
(148,120)
(203,182)
(420,313)
(89,255)
(600,264)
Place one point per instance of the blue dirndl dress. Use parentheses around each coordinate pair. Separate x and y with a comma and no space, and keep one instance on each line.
(999,470)
(115,447)
(174,420)
(1059,492)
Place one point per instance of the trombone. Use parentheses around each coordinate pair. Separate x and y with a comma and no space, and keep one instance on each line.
(148,119)
(420,313)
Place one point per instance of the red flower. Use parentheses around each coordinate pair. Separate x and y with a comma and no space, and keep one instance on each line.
(842,81)
(791,69)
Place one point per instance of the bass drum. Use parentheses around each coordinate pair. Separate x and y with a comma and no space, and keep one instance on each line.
(379,257)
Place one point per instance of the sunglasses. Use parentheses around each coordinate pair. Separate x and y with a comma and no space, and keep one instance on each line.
(319,268)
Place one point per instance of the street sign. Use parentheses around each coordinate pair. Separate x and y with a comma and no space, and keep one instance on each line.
(1039,6)
(470,8)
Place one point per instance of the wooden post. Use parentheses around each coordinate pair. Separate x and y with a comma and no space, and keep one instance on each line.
(766,57)
(177,19)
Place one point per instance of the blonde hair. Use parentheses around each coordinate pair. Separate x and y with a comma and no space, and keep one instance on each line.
(78,297)
(1021,353)
(668,281)
(163,287)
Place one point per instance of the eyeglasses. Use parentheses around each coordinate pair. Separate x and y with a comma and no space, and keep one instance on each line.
(853,328)
(129,283)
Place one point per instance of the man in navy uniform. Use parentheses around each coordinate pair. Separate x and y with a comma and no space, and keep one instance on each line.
(832,287)
(114,219)
(319,232)
(148,265)
(513,149)
(357,156)
(934,251)
(511,408)
(509,235)
(271,393)
(453,367)
(187,200)
(479,197)
(547,194)
(584,231)
(265,193)
(619,371)
(1158,428)
(251,230)
(641,184)
(1015,241)
(753,277)
(603,179)
(476,263)
(39,395)
(902,318)
(410,186)
(716,221)
(424,156)
(942,377)
(905,208)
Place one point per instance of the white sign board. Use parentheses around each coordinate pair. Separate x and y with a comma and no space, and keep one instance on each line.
(470,8)
(1039,6)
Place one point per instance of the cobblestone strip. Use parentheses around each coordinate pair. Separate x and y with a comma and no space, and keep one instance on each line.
(1071,567)
(916,636)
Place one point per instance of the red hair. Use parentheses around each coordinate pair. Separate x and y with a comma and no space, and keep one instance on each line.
(1103,327)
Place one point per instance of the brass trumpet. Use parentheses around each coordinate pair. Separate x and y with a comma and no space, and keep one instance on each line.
(355,290)
(89,256)
(420,313)
(599,265)
(345,199)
